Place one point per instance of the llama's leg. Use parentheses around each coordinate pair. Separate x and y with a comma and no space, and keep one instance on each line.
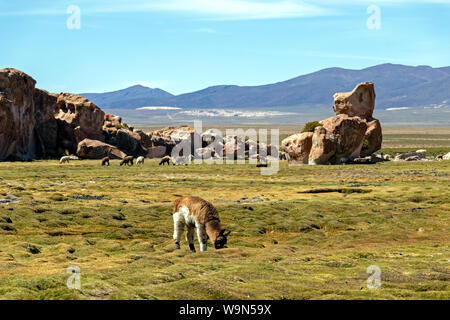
(202,237)
(178,226)
(190,238)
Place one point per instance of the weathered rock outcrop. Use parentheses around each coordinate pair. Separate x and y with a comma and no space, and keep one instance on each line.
(17,115)
(156,152)
(351,134)
(358,103)
(373,138)
(126,140)
(412,156)
(94,149)
(298,147)
(46,128)
(78,119)
(323,147)
(37,124)
(169,137)
(112,121)
(348,135)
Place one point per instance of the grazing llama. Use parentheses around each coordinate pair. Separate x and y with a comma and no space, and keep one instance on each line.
(65,159)
(127,161)
(165,160)
(200,215)
(186,160)
(140,161)
(105,161)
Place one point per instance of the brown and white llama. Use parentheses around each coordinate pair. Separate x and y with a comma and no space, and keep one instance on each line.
(127,161)
(200,215)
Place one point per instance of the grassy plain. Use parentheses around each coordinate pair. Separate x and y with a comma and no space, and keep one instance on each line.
(115,224)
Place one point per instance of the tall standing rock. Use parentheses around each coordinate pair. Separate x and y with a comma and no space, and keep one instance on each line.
(323,147)
(17,122)
(373,138)
(352,133)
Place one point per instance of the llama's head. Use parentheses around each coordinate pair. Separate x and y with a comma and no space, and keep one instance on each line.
(221,239)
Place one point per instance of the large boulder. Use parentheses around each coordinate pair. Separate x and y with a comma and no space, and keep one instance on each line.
(17,121)
(298,147)
(162,137)
(94,149)
(169,137)
(348,133)
(323,147)
(112,121)
(411,156)
(373,139)
(126,140)
(358,103)
(78,119)
(146,142)
(157,152)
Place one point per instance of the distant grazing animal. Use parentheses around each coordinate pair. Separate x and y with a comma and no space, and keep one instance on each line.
(139,161)
(182,160)
(105,161)
(65,159)
(440,157)
(196,213)
(127,161)
(165,160)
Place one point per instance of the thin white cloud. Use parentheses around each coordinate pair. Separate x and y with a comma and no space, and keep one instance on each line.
(239,9)
(201,9)
(215,9)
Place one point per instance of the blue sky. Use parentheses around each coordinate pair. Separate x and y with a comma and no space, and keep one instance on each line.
(186,45)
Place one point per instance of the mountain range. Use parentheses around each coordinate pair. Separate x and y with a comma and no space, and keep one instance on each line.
(396,86)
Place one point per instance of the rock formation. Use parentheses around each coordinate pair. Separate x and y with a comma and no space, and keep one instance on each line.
(17,115)
(351,134)
(412,156)
(358,103)
(298,147)
(94,149)
(37,124)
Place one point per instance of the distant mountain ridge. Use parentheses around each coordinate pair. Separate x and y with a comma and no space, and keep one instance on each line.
(395,85)
(128,98)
